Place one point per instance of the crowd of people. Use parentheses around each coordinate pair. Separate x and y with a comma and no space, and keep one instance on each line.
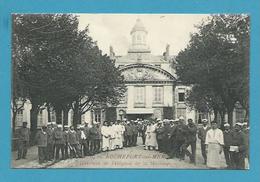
(172,137)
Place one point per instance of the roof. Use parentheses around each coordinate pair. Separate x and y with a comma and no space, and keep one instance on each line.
(138,26)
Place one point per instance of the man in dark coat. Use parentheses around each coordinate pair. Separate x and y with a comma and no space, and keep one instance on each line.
(180,137)
(41,141)
(190,140)
(227,134)
(159,136)
(135,133)
(202,136)
(167,144)
(73,143)
(86,141)
(94,137)
(172,139)
(128,134)
(51,141)
(66,138)
(23,135)
(237,148)
(143,129)
(59,142)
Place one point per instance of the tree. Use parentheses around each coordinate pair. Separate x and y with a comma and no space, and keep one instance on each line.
(60,66)
(217,59)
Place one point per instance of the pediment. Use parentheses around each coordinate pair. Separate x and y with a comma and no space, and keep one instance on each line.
(145,73)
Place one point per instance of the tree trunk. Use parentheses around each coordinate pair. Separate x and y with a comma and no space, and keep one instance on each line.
(34,115)
(49,114)
(76,115)
(65,116)
(13,121)
(215,115)
(230,116)
(58,112)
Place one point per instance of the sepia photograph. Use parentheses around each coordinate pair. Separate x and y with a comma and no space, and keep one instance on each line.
(130,91)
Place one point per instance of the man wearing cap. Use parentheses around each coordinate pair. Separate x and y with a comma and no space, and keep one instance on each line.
(202,136)
(66,136)
(172,139)
(135,133)
(41,141)
(50,141)
(86,142)
(73,143)
(23,135)
(128,134)
(227,142)
(180,136)
(93,136)
(238,148)
(83,137)
(214,145)
(190,140)
(159,136)
(59,142)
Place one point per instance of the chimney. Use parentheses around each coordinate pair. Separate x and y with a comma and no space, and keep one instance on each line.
(166,54)
(111,52)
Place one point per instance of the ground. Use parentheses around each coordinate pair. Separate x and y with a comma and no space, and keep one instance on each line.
(132,157)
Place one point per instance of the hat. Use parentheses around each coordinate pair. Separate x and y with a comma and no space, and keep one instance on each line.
(66,126)
(245,124)
(204,120)
(59,126)
(226,124)
(181,118)
(53,123)
(239,124)
(48,124)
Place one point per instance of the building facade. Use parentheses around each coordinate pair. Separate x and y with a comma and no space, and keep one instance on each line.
(152,89)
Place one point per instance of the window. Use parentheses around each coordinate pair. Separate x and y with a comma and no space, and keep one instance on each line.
(98,115)
(139,96)
(138,37)
(19,116)
(181,97)
(158,95)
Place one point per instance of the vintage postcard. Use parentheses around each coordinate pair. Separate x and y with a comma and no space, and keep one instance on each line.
(130,91)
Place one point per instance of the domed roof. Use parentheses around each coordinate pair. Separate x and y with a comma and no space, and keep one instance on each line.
(138,26)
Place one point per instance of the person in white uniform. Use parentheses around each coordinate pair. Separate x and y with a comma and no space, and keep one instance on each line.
(105,136)
(214,147)
(150,140)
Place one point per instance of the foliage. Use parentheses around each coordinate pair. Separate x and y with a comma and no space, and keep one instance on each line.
(217,61)
(60,65)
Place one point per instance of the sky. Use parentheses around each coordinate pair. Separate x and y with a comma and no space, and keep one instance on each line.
(114,30)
